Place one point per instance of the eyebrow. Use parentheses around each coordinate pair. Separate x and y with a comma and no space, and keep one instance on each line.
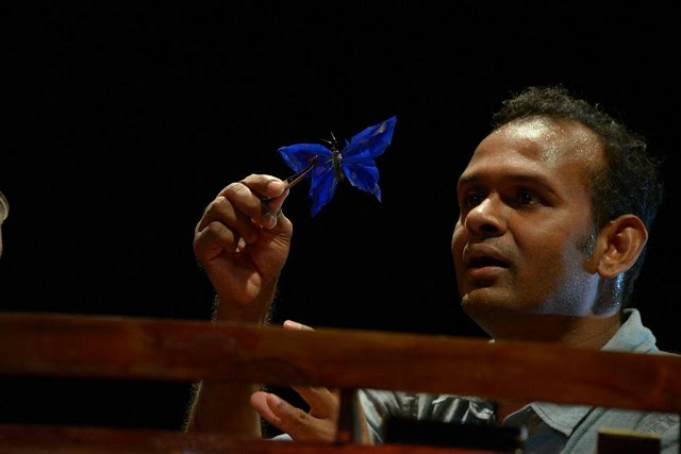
(516,178)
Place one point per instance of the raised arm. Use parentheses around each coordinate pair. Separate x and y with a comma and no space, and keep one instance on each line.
(242,244)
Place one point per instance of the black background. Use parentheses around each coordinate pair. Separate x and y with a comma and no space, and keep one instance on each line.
(126,119)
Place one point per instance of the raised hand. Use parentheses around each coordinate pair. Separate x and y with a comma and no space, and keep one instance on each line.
(242,242)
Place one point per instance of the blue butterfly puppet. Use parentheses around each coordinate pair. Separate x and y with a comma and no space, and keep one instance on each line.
(329,166)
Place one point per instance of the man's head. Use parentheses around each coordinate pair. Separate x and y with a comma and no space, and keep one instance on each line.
(555,206)
(4,211)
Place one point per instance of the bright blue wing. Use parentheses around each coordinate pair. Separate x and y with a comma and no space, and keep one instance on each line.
(372,141)
(323,186)
(363,175)
(300,155)
(358,156)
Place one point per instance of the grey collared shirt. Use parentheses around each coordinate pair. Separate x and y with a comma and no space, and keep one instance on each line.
(551,428)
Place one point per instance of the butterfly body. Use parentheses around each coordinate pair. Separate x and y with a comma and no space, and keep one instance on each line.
(355,162)
(336,159)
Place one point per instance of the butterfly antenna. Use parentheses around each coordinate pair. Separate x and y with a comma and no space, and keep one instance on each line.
(333,143)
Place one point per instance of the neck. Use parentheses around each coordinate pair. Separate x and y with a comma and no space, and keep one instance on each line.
(590,332)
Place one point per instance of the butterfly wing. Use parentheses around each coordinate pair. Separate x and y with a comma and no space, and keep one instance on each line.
(358,156)
(323,185)
(300,155)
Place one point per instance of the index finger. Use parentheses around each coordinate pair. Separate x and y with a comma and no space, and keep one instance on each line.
(264,186)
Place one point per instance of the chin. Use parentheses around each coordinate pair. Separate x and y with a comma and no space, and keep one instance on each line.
(489,303)
(486,297)
(480,308)
(482,305)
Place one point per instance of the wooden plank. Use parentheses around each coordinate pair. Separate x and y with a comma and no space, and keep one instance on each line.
(24,439)
(135,348)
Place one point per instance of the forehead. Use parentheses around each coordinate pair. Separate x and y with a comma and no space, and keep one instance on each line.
(558,149)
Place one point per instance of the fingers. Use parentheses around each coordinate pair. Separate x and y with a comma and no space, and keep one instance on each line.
(234,218)
(222,227)
(270,193)
(239,203)
(320,424)
(290,324)
(259,404)
(324,403)
(297,423)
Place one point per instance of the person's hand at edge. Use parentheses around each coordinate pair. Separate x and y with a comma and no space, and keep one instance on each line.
(319,424)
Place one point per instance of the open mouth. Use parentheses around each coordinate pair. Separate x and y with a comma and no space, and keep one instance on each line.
(483,262)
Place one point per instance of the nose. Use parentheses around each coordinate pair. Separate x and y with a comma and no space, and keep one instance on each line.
(487,218)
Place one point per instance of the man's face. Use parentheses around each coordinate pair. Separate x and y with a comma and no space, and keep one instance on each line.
(521,242)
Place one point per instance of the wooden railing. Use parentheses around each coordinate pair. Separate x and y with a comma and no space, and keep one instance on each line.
(80,346)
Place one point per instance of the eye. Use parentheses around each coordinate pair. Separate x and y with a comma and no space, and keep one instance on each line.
(525,197)
(472,200)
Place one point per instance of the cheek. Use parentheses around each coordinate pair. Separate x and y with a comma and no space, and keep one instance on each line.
(457,241)
(555,256)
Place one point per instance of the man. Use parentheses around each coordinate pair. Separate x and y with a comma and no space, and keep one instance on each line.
(555,208)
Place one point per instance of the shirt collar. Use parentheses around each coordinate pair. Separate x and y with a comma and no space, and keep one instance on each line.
(631,337)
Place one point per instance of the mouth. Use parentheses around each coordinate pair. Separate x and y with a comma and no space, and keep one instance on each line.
(484,262)
(479,256)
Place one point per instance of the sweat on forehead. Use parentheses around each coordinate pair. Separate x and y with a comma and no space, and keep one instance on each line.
(556,138)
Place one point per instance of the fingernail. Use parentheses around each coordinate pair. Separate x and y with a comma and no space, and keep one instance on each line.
(269,221)
(276,186)
(296,325)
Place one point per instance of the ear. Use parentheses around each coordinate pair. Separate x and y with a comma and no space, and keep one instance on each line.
(619,245)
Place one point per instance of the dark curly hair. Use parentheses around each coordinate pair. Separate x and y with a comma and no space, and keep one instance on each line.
(629,183)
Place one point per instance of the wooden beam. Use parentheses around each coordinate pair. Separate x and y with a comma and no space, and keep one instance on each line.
(174,350)
(25,439)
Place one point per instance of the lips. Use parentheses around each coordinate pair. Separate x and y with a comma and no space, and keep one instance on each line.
(482,256)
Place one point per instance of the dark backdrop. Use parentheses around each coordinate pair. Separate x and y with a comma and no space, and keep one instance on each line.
(125,120)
